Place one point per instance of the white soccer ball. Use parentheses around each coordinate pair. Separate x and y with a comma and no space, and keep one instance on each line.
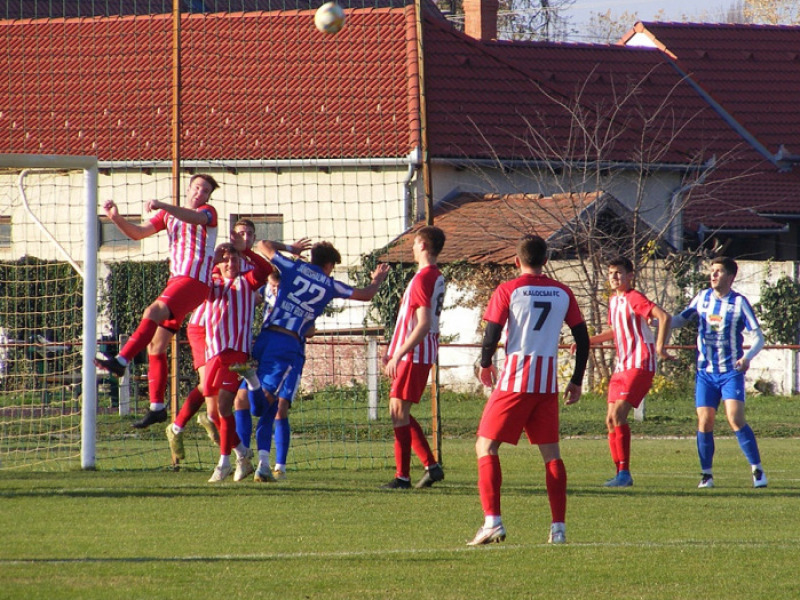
(329,18)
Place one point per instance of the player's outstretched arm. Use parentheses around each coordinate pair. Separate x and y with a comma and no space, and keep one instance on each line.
(192,216)
(134,231)
(270,248)
(367,293)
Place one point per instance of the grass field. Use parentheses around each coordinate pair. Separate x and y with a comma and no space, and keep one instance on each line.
(334,534)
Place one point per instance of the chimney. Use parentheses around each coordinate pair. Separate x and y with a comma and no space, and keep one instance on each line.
(480,19)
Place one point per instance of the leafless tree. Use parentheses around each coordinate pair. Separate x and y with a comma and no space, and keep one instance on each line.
(590,179)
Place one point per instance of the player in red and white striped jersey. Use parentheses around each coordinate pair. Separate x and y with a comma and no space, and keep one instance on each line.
(229,313)
(192,231)
(525,397)
(629,313)
(412,351)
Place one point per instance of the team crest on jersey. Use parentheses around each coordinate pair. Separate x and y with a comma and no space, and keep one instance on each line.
(716,322)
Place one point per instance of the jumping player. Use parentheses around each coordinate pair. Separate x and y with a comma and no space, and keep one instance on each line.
(306,289)
(192,231)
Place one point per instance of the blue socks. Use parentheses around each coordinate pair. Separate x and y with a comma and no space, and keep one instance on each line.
(748,444)
(258,401)
(705,450)
(244,425)
(282,435)
(264,427)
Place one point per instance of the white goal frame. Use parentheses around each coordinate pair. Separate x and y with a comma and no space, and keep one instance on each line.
(88,164)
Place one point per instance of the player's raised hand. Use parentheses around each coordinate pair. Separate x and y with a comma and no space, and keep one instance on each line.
(300,246)
(153,205)
(110,208)
(239,242)
(380,273)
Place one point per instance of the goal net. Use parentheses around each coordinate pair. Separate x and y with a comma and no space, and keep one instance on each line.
(47,310)
(308,134)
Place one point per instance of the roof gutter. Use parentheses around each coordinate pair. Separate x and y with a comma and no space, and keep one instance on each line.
(702,231)
(414,160)
(302,163)
(462,163)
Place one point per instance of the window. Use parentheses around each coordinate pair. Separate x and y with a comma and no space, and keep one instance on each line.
(268,227)
(112,238)
(5,232)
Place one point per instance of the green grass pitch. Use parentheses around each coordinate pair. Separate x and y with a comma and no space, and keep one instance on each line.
(334,534)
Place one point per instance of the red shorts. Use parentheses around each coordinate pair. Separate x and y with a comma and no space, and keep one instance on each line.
(182,295)
(507,414)
(631,385)
(196,334)
(219,377)
(410,381)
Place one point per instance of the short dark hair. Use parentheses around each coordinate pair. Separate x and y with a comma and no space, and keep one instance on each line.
(207,178)
(622,262)
(433,237)
(532,251)
(228,248)
(727,263)
(323,253)
(246,223)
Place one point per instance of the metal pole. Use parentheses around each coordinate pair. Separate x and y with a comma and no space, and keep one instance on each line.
(436,426)
(176,172)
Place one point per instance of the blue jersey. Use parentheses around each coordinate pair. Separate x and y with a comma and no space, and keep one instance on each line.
(720,323)
(303,294)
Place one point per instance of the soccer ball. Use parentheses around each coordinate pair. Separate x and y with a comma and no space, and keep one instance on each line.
(329,18)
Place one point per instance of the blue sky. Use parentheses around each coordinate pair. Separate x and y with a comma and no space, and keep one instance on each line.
(647,9)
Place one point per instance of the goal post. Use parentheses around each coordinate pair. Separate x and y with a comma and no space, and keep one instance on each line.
(21,166)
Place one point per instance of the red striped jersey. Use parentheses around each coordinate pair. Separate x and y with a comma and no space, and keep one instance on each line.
(633,338)
(231,307)
(191,247)
(534,307)
(426,289)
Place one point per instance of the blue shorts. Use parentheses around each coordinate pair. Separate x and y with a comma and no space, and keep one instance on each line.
(280,363)
(711,388)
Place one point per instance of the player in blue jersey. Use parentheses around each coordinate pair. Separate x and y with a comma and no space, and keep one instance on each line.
(305,290)
(722,316)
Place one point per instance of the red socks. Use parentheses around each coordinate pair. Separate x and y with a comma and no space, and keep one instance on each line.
(228,440)
(402,451)
(192,404)
(624,446)
(490,478)
(419,443)
(139,339)
(157,374)
(556,480)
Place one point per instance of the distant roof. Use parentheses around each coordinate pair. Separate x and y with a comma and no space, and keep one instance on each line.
(255,85)
(464,222)
(519,100)
(751,76)
(753,71)
(36,9)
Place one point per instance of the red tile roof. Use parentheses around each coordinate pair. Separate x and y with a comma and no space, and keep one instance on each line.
(255,85)
(484,228)
(518,100)
(753,71)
